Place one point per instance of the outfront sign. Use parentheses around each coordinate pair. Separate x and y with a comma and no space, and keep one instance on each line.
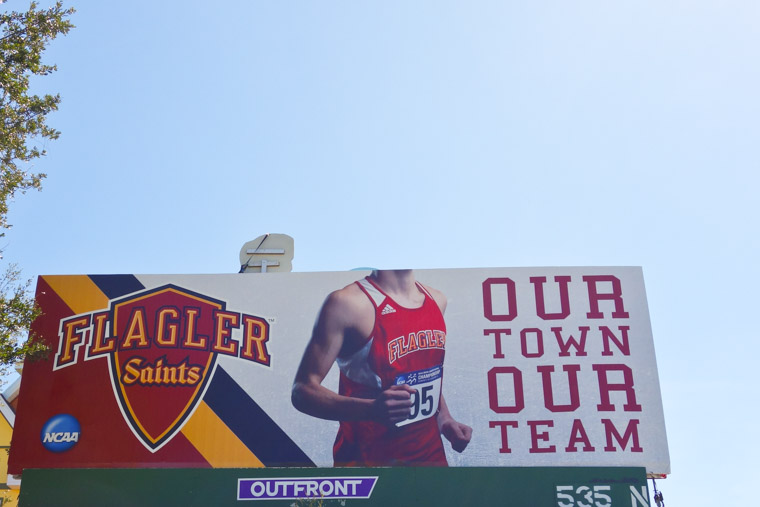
(514,366)
(360,487)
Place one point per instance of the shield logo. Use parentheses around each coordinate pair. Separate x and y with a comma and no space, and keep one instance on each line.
(163,360)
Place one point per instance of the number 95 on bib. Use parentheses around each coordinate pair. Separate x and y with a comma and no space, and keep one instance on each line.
(427,395)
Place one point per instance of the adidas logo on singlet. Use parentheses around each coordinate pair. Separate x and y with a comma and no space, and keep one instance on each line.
(388,309)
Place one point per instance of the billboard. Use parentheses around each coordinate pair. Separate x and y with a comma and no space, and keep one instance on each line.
(498,367)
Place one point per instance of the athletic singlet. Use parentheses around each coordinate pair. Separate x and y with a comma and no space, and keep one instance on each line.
(407,346)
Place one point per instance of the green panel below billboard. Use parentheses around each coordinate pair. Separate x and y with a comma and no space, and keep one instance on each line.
(534,486)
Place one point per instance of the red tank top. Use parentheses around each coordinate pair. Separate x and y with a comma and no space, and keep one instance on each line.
(407,346)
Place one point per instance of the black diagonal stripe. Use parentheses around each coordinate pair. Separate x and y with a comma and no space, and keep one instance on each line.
(252,425)
(114,286)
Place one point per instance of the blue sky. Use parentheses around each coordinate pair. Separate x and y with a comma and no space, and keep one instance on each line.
(432,134)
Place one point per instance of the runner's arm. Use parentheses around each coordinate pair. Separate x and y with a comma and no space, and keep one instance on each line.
(341,319)
(457,433)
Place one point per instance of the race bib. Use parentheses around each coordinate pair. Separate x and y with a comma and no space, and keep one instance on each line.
(428,393)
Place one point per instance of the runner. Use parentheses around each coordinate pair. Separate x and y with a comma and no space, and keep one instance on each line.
(388,336)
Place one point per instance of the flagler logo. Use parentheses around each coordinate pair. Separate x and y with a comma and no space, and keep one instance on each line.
(161,345)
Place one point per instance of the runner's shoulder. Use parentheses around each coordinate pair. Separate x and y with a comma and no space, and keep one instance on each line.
(349,304)
(438,296)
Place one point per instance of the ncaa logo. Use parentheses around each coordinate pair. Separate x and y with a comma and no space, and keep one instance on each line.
(60,433)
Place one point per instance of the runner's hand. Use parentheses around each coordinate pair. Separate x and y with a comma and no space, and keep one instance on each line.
(394,404)
(457,433)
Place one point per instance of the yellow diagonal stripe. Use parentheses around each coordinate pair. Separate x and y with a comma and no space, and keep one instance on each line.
(216,442)
(78,292)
